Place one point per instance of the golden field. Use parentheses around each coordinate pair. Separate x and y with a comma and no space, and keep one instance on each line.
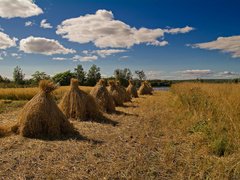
(188,132)
(28,93)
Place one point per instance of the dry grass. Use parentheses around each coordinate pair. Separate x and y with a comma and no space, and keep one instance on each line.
(29,93)
(157,137)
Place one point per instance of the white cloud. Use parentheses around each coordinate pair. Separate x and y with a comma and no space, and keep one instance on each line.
(14,54)
(6,41)
(105,76)
(41,45)
(85,58)
(18,56)
(3,53)
(123,57)
(18,8)
(44,24)
(153,74)
(195,73)
(226,44)
(59,58)
(1,29)
(85,52)
(108,52)
(101,29)
(28,23)
(227,74)
(179,30)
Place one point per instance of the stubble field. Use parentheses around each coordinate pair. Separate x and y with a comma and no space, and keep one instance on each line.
(189,132)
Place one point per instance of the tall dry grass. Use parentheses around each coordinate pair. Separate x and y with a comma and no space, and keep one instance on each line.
(214,110)
(29,93)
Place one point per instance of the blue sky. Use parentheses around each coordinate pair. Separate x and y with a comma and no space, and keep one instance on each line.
(168,39)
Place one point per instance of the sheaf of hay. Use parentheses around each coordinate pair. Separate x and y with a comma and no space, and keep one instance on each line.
(116,93)
(144,89)
(41,117)
(78,105)
(103,97)
(126,96)
(132,90)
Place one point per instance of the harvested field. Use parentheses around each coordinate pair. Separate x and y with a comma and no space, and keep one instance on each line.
(150,138)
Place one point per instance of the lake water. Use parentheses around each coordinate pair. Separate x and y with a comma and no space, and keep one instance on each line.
(161,88)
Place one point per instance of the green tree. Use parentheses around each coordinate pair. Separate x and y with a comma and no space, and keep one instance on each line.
(93,75)
(18,75)
(63,78)
(123,76)
(80,74)
(141,75)
(37,76)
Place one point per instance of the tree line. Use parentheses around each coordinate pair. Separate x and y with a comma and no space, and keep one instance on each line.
(89,78)
(93,75)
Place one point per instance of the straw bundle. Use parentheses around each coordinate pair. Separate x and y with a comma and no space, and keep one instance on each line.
(132,90)
(116,93)
(79,105)
(149,86)
(41,117)
(7,129)
(126,96)
(103,97)
(144,89)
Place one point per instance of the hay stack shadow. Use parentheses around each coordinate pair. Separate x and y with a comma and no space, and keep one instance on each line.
(41,117)
(77,104)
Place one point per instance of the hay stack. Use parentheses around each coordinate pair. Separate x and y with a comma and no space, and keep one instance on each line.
(116,93)
(132,90)
(79,105)
(41,117)
(126,96)
(144,89)
(149,86)
(103,97)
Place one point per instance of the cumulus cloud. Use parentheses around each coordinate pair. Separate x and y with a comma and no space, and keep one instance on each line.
(43,24)
(1,29)
(18,8)
(28,23)
(59,58)
(153,74)
(108,52)
(195,73)
(101,29)
(41,45)
(225,44)
(85,58)
(6,41)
